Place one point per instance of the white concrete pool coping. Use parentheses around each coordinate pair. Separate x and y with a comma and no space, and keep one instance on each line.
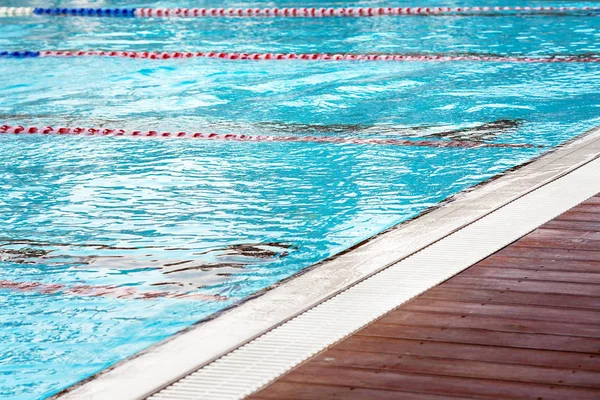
(186,352)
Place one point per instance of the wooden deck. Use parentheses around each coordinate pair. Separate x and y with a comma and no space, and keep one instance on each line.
(522,324)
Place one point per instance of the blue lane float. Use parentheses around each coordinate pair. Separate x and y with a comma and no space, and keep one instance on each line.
(19,54)
(90,12)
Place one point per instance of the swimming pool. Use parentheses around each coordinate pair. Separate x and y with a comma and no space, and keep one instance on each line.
(110,244)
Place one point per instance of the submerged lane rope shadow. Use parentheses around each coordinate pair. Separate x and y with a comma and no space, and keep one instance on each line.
(185,277)
(90,132)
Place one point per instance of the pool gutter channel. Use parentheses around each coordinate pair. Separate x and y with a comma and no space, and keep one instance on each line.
(192,353)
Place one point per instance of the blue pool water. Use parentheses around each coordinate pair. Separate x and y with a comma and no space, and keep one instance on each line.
(233,218)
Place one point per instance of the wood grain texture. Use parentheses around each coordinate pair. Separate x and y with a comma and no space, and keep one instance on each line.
(522,324)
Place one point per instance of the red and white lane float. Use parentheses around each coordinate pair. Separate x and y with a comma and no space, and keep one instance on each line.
(113,291)
(348,11)
(91,132)
(317,56)
(293,12)
(422,57)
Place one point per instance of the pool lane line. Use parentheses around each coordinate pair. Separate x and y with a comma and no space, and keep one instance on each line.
(90,132)
(301,12)
(113,291)
(301,56)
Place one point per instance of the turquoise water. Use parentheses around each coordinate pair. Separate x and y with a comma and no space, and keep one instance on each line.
(227,218)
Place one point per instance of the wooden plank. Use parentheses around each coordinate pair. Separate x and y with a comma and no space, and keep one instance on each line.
(434,384)
(462,368)
(573,225)
(545,264)
(533,313)
(505,355)
(516,273)
(437,319)
(565,234)
(588,207)
(308,391)
(525,285)
(575,243)
(484,337)
(468,294)
(575,215)
(549,254)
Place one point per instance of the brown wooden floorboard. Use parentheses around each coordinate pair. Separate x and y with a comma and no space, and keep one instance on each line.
(541,264)
(442,320)
(434,384)
(453,367)
(573,225)
(546,254)
(532,286)
(309,391)
(538,275)
(485,337)
(506,355)
(476,295)
(532,313)
(522,324)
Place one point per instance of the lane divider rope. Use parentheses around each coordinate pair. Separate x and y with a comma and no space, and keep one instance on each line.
(286,12)
(20,130)
(119,292)
(305,56)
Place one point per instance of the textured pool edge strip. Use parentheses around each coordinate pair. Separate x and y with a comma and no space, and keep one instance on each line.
(297,12)
(262,360)
(113,291)
(303,57)
(94,132)
(168,361)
